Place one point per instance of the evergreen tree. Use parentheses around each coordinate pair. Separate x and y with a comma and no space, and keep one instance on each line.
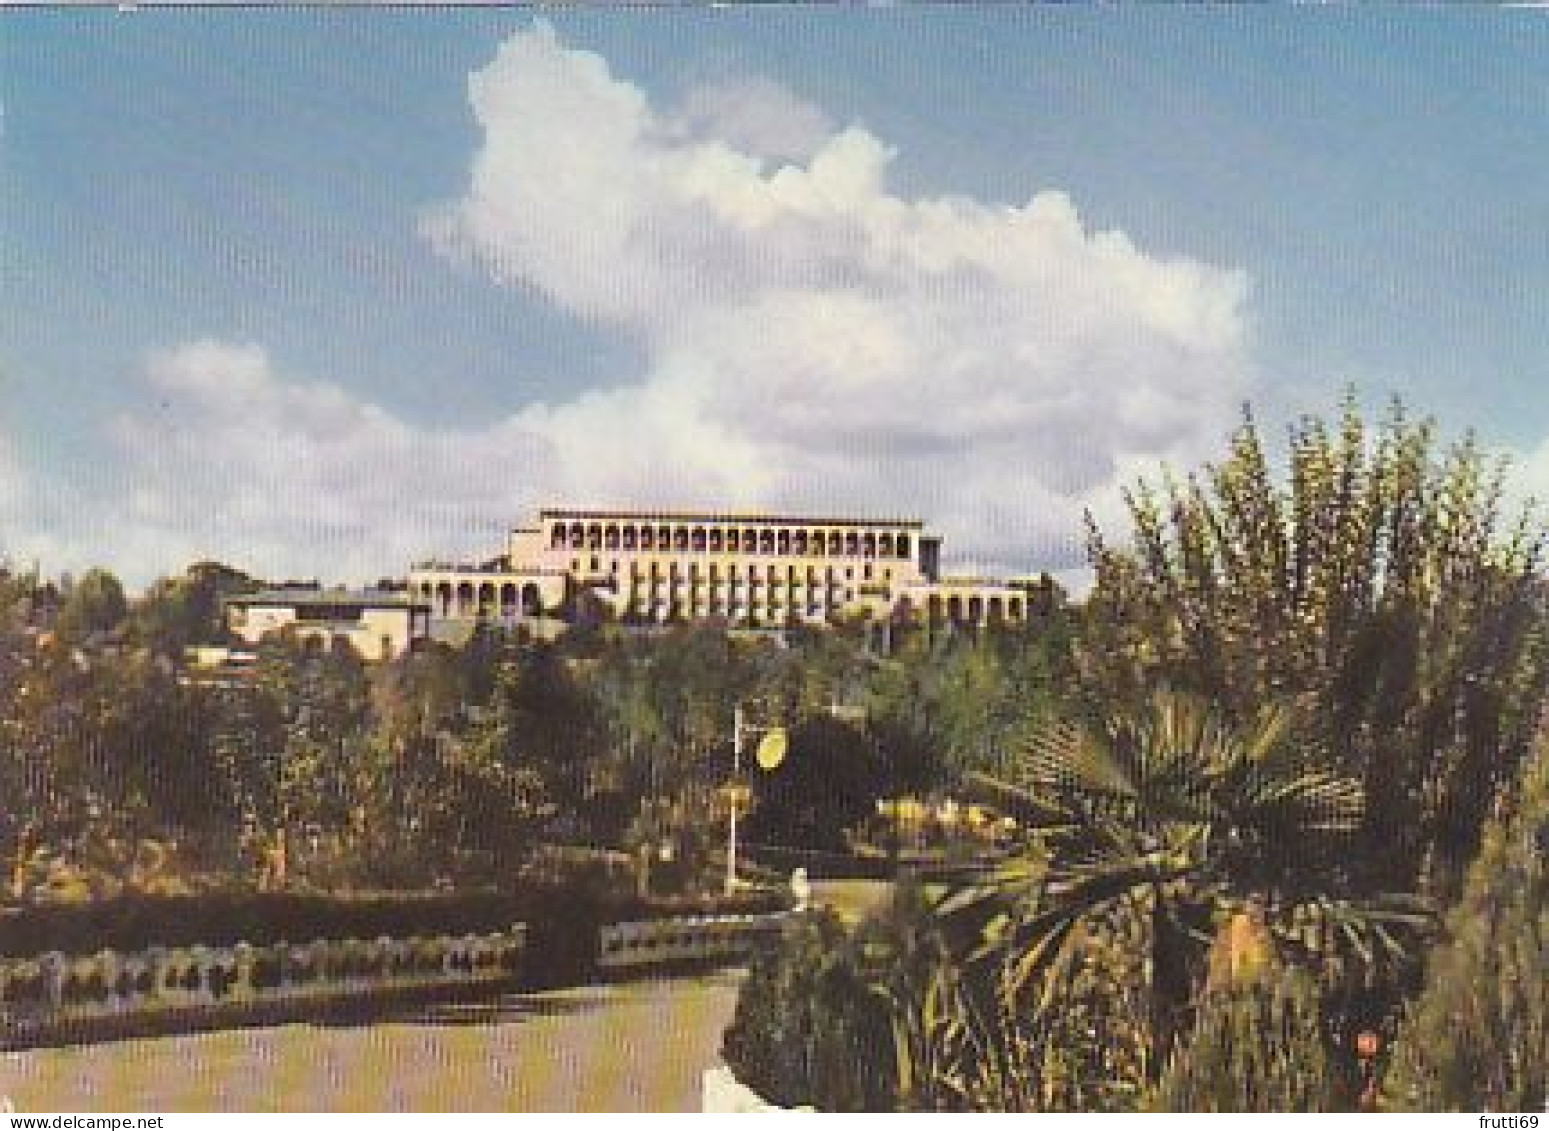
(1378,586)
(1478,1037)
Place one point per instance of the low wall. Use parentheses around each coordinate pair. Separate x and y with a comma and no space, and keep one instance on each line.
(687,939)
(54,995)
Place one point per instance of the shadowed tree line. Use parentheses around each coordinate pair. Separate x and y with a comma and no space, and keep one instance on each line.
(453,766)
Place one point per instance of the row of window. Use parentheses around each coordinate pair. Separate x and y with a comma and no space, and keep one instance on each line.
(641,571)
(974,610)
(730,540)
(735,586)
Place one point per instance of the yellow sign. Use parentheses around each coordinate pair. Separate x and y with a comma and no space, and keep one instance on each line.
(771,749)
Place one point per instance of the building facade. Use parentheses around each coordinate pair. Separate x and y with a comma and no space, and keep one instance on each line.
(660,567)
(378,625)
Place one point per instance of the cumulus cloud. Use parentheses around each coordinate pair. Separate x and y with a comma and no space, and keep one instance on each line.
(287,476)
(818,339)
(754,115)
(814,339)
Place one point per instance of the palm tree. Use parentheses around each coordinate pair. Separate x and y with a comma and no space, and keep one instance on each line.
(1155,829)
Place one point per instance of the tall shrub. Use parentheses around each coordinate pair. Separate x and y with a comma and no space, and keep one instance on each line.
(1478,1037)
(1260,1040)
(808,1029)
(1376,580)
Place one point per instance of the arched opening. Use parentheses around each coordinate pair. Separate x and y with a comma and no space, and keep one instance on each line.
(749,540)
(997,610)
(532,601)
(733,540)
(885,545)
(680,538)
(630,537)
(465,599)
(594,536)
(610,537)
(577,536)
(508,601)
(486,599)
(444,599)
(869,546)
(783,542)
(698,540)
(934,608)
(955,609)
(799,543)
(976,609)
(1014,608)
(852,544)
(557,539)
(715,540)
(766,542)
(902,545)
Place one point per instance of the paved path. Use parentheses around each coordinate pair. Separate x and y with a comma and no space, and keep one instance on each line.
(637,1046)
(852,900)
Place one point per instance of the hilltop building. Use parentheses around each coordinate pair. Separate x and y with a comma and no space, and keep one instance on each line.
(659,567)
(379,625)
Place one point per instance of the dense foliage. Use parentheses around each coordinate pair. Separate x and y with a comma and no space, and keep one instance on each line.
(1257,1045)
(1379,588)
(809,1028)
(1289,713)
(122,771)
(1298,697)
(1477,1039)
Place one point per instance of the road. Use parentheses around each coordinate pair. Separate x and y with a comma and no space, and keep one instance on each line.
(636,1046)
(631,1046)
(852,900)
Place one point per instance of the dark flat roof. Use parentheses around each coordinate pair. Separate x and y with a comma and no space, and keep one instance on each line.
(366,599)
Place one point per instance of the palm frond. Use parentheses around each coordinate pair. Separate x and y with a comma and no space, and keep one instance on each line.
(1029,807)
(1071,758)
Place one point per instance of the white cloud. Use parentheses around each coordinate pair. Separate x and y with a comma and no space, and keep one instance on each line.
(754,115)
(814,340)
(817,339)
(288,477)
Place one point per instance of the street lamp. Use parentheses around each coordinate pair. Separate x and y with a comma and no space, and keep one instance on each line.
(771,752)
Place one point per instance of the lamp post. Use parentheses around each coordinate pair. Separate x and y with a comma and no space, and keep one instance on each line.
(771,750)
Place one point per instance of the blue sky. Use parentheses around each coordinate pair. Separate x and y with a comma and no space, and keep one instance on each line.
(285,288)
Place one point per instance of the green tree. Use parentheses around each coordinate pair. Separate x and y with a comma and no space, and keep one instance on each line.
(1150,828)
(95,603)
(289,745)
(964,701)
(179,611)
(1378,586)
(1477,1038)
(828,783)
(542,718)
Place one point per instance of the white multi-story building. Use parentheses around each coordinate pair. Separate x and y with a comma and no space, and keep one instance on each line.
(764,570)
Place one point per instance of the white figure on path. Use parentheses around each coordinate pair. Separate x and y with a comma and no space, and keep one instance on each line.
(801,888)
